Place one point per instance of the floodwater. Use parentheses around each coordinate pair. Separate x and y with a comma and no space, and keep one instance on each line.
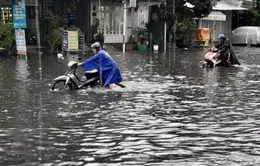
(172,113)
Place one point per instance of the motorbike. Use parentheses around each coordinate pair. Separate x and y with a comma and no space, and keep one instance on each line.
(213,59)
(72,81)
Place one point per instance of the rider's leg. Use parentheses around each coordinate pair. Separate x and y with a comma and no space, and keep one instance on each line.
(111,86)
(121,85)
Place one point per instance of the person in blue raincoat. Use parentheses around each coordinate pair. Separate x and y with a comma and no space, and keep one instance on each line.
(106,66)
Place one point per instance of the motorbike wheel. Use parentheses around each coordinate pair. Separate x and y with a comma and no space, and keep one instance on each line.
(60,85)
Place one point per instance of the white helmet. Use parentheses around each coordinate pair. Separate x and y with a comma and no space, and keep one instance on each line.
(96,46)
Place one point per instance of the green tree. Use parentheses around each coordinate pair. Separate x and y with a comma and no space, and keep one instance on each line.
(63,8)
(7,36)
(255,13)
(201,9)
(184,16)
(50,33)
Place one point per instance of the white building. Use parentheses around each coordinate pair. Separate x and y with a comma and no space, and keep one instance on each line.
(111,16)
(221,18)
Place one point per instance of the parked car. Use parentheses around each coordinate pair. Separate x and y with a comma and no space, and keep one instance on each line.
(248,35)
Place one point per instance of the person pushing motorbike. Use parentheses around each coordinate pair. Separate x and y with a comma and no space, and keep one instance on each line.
(106,66)
(227,53)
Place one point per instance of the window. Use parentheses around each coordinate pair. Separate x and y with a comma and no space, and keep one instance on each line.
(6,15)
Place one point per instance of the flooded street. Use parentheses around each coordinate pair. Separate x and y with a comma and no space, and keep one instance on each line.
(172,113)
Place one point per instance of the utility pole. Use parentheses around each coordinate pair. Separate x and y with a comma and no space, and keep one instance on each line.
(124,26)
(165,33)
(99,13)
(175,24)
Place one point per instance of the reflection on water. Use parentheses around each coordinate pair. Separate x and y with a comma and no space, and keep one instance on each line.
(172,113)
(22,72)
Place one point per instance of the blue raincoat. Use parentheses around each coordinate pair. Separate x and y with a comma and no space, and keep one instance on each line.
(106,66)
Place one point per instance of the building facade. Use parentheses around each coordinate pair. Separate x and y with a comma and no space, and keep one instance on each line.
(110,15)
(226,16)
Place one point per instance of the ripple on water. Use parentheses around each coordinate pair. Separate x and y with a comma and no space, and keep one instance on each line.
(188,116)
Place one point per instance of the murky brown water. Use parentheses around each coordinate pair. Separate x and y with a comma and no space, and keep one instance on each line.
(172,113)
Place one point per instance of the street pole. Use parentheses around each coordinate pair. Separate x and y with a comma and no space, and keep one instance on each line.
(38,33)
(165,33)
(99,10)
(99,16)
(150,34)
(175,22)
(124,27)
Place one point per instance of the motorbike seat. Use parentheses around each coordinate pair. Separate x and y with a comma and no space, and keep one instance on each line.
(91,73)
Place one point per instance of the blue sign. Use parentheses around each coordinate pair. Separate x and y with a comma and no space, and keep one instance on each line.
(19,14)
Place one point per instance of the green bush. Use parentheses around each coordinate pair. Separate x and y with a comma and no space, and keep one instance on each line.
(7,36)
(48,22)
(185,30)
(55,39)
(255,13)
(50,33)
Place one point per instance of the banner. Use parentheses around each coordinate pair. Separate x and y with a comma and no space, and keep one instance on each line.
(19,14)
(82,41)
(73,42)
(20,42)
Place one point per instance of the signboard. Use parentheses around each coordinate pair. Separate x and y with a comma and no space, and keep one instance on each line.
(73,41)
(65,40)
(20,42)
(132,3)
(71,18)
(81,41)
(19,14)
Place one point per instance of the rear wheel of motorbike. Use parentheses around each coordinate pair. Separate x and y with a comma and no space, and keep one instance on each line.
(60,85)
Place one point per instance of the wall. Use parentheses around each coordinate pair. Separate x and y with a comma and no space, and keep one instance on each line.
(219,27)
(85,9)
(227,25)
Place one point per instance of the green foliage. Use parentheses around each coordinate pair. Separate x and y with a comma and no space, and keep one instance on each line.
(255,17)
(50,34)
(65,6)
(73,28)
(55,39)
(184,16)
(48,22)
(7,36)
(201,9)
(185,31)
(187,25)
(255,13)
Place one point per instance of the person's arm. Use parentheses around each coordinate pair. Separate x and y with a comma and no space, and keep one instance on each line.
(89,63)
(225,46)
(218,45)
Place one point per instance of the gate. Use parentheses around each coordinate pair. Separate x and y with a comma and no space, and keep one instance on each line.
(111,23)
